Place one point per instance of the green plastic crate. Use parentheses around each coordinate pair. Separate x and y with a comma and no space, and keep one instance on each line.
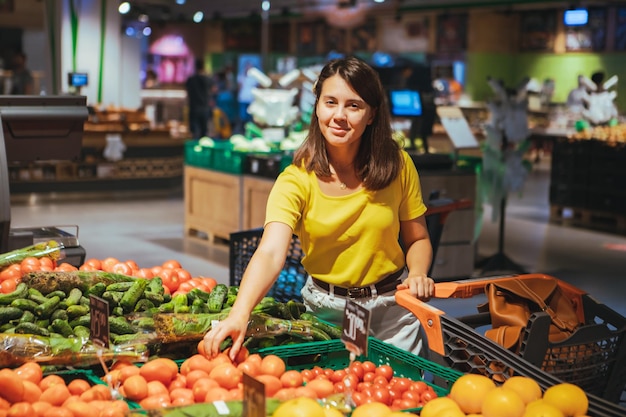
(228,160)
(197,155)
(333,354)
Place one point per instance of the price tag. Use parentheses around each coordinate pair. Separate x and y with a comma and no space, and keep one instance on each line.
(356,327)
(253,397)
(99,325)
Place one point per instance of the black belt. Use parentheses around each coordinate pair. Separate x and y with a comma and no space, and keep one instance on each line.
(388,284)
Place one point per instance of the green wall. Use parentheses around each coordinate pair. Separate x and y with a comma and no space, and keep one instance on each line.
(563,68)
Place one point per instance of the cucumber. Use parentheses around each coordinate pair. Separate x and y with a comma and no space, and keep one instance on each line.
(296,308)
(96,289)
(84,320)
(56,293)
(73,298)
(7,328)
(76,311)
(120,286)
(59,314)
(120,325)
(198,293)
(84,301)
(217,297)
(113,297)
(10,313)
(21,291)
(144,323)
(156,286)
(331,330)
(24,304)
(82,332)
(143,305)
(28,317)
(156,298)
(45,310)
(117,311)
(36,296)
(62,327)
(198,306)
(31,328)
(133,294)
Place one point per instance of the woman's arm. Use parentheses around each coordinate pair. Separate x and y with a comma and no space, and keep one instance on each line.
(260,274)
(419,254)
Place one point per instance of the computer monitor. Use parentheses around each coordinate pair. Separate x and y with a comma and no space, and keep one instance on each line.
(77,79)
(405,103)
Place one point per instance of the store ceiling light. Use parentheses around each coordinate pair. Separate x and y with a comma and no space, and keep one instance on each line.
(124,7)
(198,16)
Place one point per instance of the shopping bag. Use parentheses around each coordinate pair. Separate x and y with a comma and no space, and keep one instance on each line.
(512,302)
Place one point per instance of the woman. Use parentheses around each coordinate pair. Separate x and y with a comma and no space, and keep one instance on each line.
(349,194)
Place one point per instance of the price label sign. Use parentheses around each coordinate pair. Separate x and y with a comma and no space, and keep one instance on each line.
(356,327)
(99,325)
(253,397)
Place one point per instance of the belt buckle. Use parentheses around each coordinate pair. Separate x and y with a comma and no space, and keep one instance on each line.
(359,292)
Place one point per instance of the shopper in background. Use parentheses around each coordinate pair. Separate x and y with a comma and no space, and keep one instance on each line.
(246,84)
(353,198)
(201,90)
(22,81)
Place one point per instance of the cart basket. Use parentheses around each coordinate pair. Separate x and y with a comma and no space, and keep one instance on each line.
(292,277)
(593,357)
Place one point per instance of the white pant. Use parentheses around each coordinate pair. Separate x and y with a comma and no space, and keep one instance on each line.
(389,322)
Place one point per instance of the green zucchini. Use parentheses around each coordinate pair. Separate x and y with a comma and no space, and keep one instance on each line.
(217,297)
(21,291)
(31,328)
(133,294)
(10,313)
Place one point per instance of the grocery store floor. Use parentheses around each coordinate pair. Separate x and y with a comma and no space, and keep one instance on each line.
(149,230)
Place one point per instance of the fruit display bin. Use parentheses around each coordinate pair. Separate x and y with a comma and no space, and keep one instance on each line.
(594,357)
(334,355)
(292,277)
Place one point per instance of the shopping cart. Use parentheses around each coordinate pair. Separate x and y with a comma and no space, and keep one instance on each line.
(594,357)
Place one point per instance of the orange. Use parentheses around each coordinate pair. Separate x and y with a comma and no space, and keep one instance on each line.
(526,387)
(503,402)
(372,409)
(292,378)
(470,390)
(567,397)
(541,408)
(323,387)
(273,365)
(300,407)
(437,406)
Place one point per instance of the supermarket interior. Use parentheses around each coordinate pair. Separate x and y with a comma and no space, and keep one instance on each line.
(513,113)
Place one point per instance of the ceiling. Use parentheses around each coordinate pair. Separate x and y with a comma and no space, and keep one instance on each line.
(169,10)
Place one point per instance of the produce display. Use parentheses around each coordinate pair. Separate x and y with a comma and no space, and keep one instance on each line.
(304,368)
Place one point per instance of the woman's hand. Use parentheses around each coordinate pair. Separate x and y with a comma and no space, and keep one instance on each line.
(233,326)
(419,285)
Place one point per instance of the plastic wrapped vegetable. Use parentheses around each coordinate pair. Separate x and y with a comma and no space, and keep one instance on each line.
(47,282)
(51,249)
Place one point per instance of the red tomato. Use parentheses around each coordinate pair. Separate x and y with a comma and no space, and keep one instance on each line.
(369,366)
(400,384)
(369,376)
(338,375)
(386,371)
(358,398)
(122,268)
(356,368)
(418,386)
(183,274)
(380,380)
(411,395)
(428,395)
(381,395)
(171,264)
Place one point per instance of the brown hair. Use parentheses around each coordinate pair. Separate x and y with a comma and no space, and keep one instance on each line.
(378,161)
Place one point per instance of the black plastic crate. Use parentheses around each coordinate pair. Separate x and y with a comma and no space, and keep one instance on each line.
(575,196)
(594,357)
(292,277)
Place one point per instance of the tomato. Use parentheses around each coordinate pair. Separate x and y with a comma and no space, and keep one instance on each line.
(339,387)
(369,376)
(385,371)
(8,286)
(12,386)
(356,368)
(323,387)
(404,404)
(185,287)
(411,395)
(351,381)
(171,264)
(369,366)
(122,268)
(107,263)
(183,274)
(428,395)
(30,371)
(307,375)
(136,388)
(381,395)
(418,386)
(358,398)
(380,380)
(202,387)
(144,273)
(46,262)
(400,384)
(94,263)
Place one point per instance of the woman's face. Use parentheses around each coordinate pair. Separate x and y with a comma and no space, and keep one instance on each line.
(342,114)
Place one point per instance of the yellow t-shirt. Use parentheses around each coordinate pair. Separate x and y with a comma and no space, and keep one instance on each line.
(348,240)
